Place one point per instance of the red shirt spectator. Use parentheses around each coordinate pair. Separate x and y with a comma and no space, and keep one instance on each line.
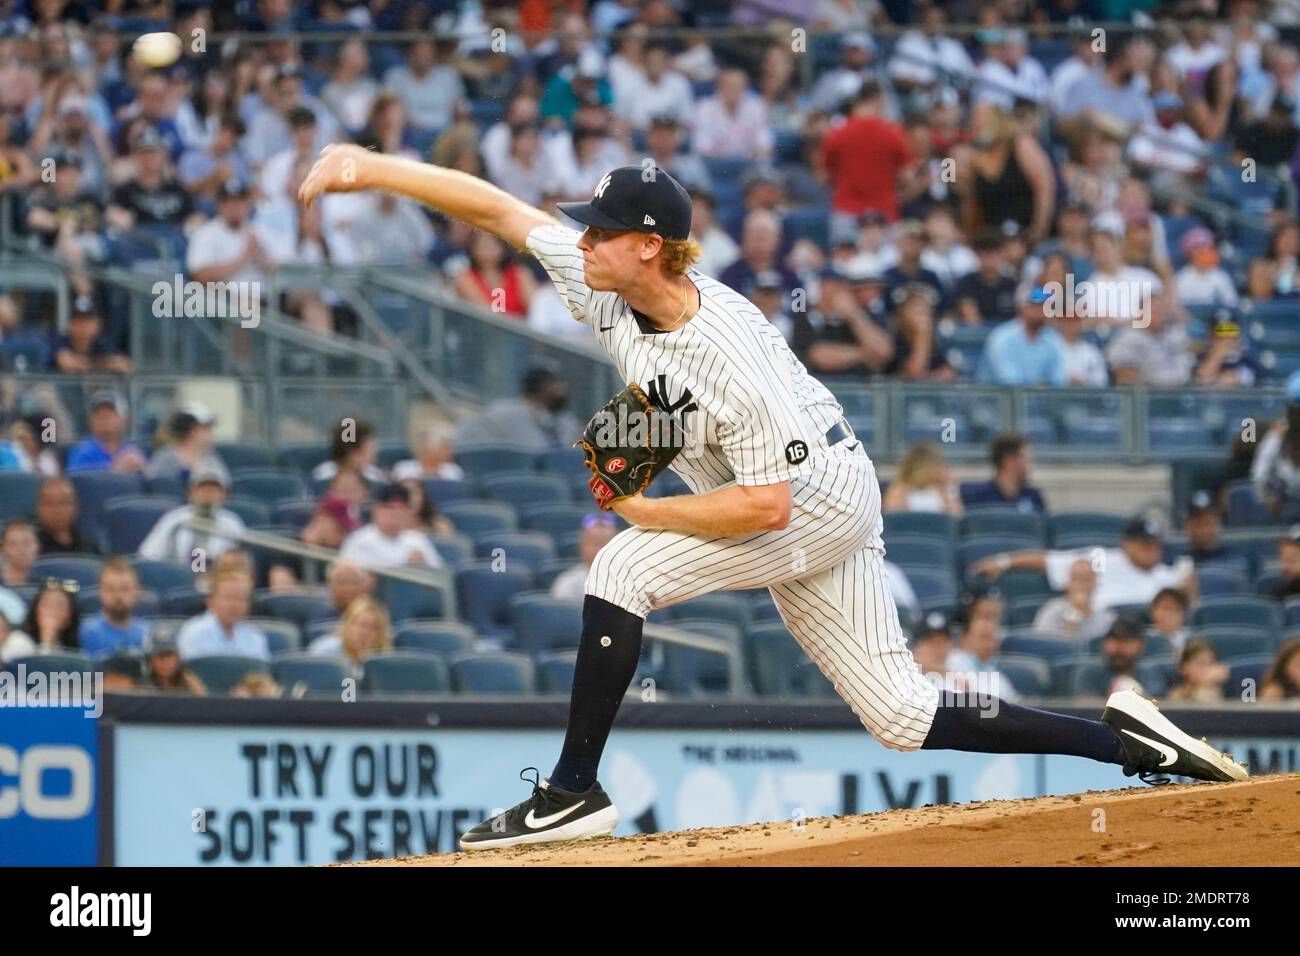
(864,157)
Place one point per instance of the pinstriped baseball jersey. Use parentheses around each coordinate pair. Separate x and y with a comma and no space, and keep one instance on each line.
(752,411)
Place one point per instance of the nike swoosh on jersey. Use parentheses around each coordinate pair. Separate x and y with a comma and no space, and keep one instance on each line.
(1169,753)
(606,328)
(536,823)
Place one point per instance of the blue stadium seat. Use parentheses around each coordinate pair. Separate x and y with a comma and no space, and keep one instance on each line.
(919,524)
(149,604)
(1244,507)
(405,672)
(533,488)
(1015,585)
(1004,522)
(908,552)
(82,568)
(1022,611)
(552,518)
(294,512)
(18,494)
(185,601)
(454,549)
(309,673)
(719,606)
(438,637)
(1220,580)
(1085,529)
(479,462)
(251,511)
(303,457)
(222,672)
(127,521)
(695,672)
(60,663)
(710,627)
(299,607)
(267,486)
(476,517)
(1236,640)
(96,487)
(812,223)
(1291,612)
(497,673)
(166,486)
(1157,676)
(242,456)
(162,576)
(555,672)
(778,666)
(666,486)
(530,549)
(1030,676)
(1246,668)
(543,623)
(1245,609)
(390,453)
(1044,648)
(443,491)
(484,596)
(971,550)
(407,600)
(562,461)
(282,636)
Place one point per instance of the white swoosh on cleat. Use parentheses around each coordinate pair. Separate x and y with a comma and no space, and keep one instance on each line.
(1169,753)
(536,823)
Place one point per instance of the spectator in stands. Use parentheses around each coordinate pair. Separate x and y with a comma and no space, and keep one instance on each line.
(1009,73)
(720,250)
(766,294)
(166,671)
(268,130)
(257,686)
(83,349)
(839,337)
(926,57)
(107,448)
(388,540)
(837,86)
(1006,178)
(154,107)
(1072,242)
(945,254)
(188,444)
(1013,459)
(435,454)
(534,422)
(428,88)
(230,247)
(596,531)
(1275,471)
(1025,350)
(1203,528)
(52,625)
(1073,614)
(363,630)
(1278,273)
(908,273)
(334,520)
(115,627)
(1129,574)
(1201,676)
(867,160)
(916,357)
(986,296)
(347,581)
(654,90)
(1271,140)
(354,447)
(222,629)
(1155,353)
(172,539)
(760,242)
(152,197)
(524,172)
(583,82)
(19,547)
(203,171)
(932,647)
(1288,553)
(1115,96)
(1282,679)
(1202,281)
(664,146)
(924,482)
(493,279)
(1121,649)
(1085,365)
(424,510)
(1168,614)
(1228,362)
(17,171)
(273,179)
(733,122)
(351,90)
(68,133)
(979,622)
(56,519)
(1165,147)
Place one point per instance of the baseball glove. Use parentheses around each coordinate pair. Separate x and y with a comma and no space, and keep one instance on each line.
(628,443)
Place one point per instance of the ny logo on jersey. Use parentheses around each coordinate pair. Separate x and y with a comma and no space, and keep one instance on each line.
(602,186)
(658,395)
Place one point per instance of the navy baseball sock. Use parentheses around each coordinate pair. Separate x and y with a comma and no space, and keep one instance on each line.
(993,726)
(607,659)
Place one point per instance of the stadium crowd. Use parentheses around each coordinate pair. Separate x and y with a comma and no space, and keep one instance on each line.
(901,206)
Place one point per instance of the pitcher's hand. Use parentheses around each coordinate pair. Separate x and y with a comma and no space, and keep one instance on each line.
(340,169)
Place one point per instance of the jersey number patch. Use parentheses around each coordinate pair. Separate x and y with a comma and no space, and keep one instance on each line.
(796,451)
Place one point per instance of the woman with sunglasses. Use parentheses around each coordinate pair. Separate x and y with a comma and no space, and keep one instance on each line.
(52,623)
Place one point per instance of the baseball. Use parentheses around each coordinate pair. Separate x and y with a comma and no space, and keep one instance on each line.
(157,49)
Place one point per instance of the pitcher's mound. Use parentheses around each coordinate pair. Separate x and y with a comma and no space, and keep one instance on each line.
(1253,823)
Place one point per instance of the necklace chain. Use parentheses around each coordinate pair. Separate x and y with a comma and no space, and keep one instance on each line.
(685,299)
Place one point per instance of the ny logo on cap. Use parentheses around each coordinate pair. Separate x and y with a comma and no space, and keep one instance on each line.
(602,186)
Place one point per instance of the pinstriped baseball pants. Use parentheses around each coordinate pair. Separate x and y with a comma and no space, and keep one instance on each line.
(825,573)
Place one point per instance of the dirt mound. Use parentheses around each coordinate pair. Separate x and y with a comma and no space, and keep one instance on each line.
(1254,823)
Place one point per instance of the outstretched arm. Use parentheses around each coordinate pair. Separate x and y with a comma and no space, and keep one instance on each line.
(344,167)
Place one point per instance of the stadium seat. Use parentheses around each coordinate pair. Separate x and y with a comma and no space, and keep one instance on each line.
(532,488)
(298,607)
(1030,676)
(666,486)
(1244,609)
(241,456)
(695,672)
(1157,676)
(1238,641)
(167,486)
(919,524)
(1022,611)
(708,627)
(497,673)
(390,453)
(267,486)
(281,636)
(438,637)
(1004,522)
(251,511)
(529,549)
(222,672)
(405,672)
(562,461)
(309,673)
(18,494)
(294,513)
(128,521)
(1220,580)
(1015,585)
(454,549)
(1244,507)
(543,623)
(545,574)
(720,606)
(1082,529)
(443,491)
(778,666)
(484,596)
(480,462)
(185,601)
(302,458)
(82,568)
(61,663)
(407,600)
(553,518)
(477,517)
(912,552)
(148,604)
(555,672)
(1291,613)
(1043,648)
(1243,669)
(96,487)
(971,550)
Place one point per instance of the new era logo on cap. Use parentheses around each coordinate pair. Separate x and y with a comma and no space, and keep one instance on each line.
(647,221)
(641,198)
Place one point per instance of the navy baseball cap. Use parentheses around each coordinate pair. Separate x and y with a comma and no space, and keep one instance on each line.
(641,198)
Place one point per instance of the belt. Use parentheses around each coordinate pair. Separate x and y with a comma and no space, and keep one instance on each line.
(840,431)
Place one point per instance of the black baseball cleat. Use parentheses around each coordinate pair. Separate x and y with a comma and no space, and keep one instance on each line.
(550,815)
(1154,748)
